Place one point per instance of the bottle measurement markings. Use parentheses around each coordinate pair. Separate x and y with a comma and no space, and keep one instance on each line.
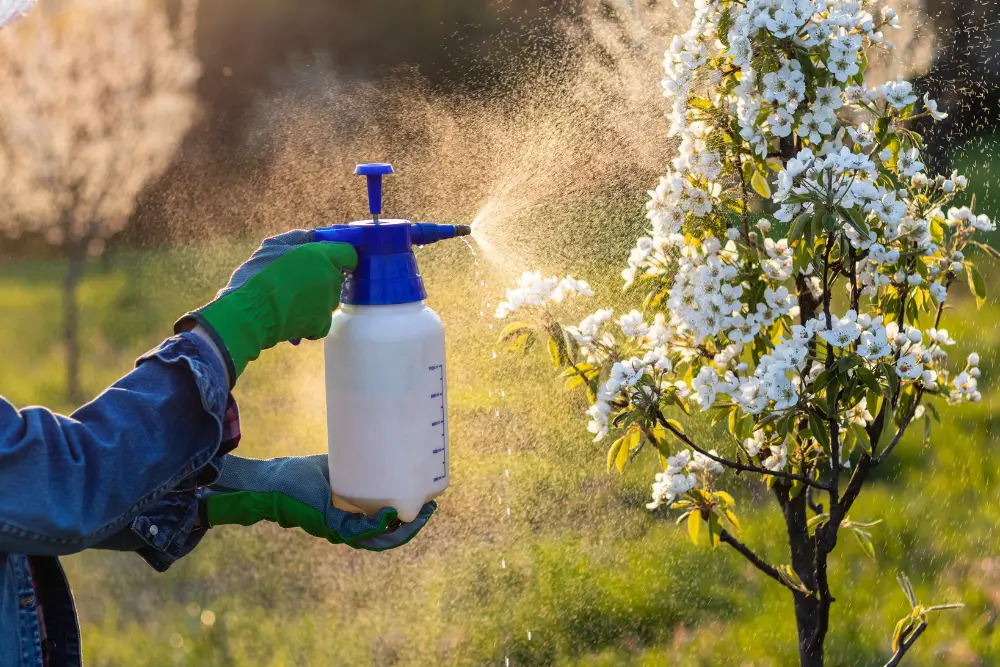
(442,450)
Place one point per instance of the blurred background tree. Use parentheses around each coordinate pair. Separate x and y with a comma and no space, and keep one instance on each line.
(95,97)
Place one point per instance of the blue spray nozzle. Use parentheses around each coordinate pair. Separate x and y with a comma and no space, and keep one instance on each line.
(387,268)
(373,173)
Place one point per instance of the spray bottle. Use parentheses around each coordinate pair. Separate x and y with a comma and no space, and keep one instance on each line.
(386,387)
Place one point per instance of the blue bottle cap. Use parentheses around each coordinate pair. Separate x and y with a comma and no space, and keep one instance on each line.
(387,268)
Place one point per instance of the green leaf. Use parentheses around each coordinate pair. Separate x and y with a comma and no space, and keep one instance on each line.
(819,431)
(870,381)
(817,520)
(798,226)
(976,284)
(832,395)
(865,540)
(759,184)
(861,435)
(904,583)
(714,529)
(694,526)
(881,127)
(890,375)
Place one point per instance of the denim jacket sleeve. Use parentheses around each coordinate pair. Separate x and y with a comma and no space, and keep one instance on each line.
(164,533)
(70,483)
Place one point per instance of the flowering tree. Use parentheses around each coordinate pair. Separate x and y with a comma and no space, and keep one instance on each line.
(795,272)
(95,97)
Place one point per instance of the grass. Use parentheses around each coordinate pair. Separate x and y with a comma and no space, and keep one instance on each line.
(580,564)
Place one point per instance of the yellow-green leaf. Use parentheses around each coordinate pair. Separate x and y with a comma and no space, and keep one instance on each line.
(694,526)
(676,425)
(725,499)
(977,285)
(901,628)
(524,340)
(760,185)
(554,353)
(511,330)
(731,516)
(616,446)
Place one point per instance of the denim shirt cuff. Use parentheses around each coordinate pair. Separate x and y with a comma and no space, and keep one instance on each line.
(168,531)
(206,368)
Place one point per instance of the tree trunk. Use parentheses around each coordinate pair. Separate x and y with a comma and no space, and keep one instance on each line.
(808,609)
(77,256)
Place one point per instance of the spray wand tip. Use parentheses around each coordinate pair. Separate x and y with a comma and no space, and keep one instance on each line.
(463,230)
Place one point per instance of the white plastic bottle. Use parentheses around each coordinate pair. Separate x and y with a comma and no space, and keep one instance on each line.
(387,408)
(386,389)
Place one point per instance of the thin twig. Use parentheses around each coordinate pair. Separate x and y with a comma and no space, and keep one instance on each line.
(905,646)
(756,560)
(735,465)
(901,431)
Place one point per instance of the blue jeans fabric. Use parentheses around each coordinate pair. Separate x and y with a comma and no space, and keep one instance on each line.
(123,472)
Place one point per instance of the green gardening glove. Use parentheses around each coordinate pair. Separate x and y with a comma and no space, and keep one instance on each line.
(287,290)
(294,492)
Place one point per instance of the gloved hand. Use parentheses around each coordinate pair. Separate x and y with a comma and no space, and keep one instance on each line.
(288,289)
(295,493)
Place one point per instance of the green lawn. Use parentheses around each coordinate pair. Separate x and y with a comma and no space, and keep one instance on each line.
(579,564)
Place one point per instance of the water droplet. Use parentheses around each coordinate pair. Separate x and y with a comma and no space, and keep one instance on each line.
(503,394)
(529,635)
(481,313)
(508,451)
(507,473)
(482,283)
(491,394)
(508,511)
(503,563)
(496,413)
(506,662)
(494,354)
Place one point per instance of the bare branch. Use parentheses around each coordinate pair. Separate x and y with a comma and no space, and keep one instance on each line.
(905,646)
(755,560)
(901,431)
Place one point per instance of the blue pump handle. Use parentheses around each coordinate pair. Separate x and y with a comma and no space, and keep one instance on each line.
(387,268)
(374,172)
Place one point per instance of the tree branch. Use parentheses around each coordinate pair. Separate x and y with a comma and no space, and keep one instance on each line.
(755,560)
(735,465)
(901,431)
(905,646)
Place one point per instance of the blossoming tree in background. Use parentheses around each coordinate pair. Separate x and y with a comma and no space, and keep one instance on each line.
(95,96)
(795,275)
